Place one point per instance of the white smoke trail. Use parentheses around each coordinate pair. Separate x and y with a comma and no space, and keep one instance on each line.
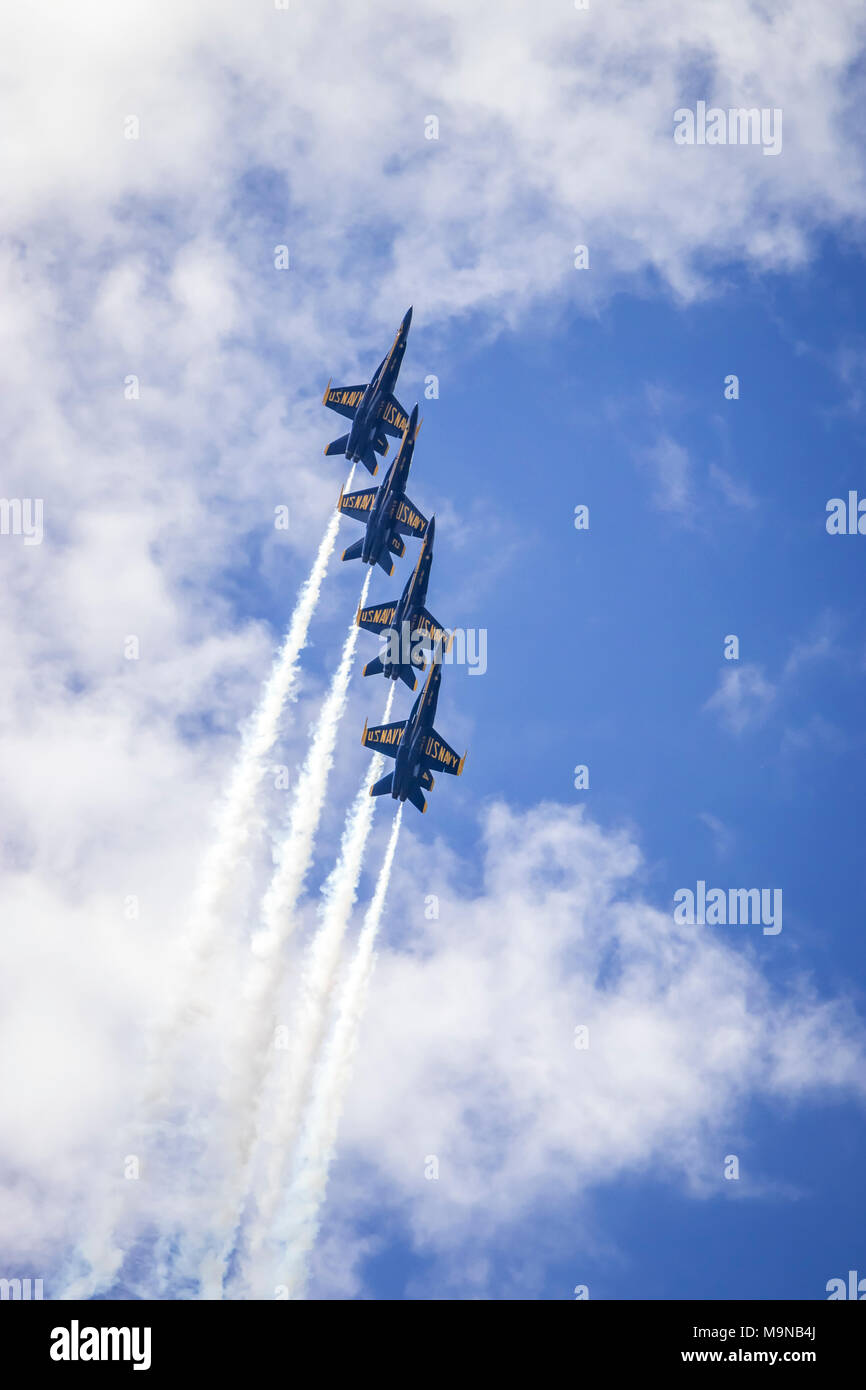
(258,1006)
(318,1141)
(317,984)
(238,816)
(235,823)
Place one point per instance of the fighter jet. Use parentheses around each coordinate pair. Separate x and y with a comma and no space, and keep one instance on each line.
(373,410)
(416,746)
(408,622)
(386,510)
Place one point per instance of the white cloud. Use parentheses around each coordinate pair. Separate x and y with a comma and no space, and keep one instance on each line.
(468,1046)
(723,836)
(736,494)
(820,646)
(745,694)
(672,469)
(743,697)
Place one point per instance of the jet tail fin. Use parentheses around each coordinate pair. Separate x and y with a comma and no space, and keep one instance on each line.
(384,560)
(383,786)
(354,551)
(407,675)
(370,462)
(374,667)
(416,798)
(337,446)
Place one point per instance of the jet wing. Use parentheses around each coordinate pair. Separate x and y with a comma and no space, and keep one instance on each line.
(385,738)
(437,753)
(357,504)
(394,418)
(432,629)
(408,520)
(377,619)
(344,399)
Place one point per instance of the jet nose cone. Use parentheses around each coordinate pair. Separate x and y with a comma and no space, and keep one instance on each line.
(413,419)
(407,320)
(431,531)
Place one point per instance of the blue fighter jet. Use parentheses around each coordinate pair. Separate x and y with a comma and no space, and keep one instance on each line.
(407,622)
(416,746)
(374,411)
(386,510)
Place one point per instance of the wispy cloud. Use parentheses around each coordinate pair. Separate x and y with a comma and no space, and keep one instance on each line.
(745,694)
(743,698)
(736,494)
(672,473)
(723,836)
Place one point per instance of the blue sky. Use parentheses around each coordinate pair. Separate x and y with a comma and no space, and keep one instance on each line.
(145,253)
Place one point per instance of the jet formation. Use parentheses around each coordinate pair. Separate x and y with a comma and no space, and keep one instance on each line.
(405,625)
